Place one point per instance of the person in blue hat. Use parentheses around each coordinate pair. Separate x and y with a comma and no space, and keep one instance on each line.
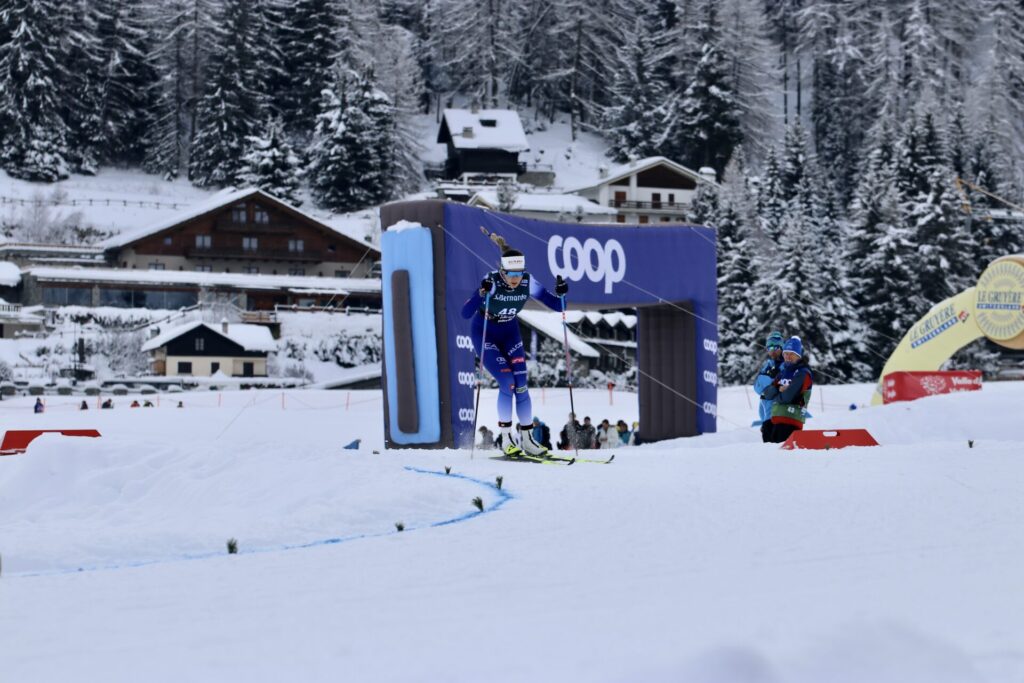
(789,392)
(768,372)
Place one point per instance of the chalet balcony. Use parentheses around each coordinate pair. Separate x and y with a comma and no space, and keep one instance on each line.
(239,254)
(227,225)
(670,207)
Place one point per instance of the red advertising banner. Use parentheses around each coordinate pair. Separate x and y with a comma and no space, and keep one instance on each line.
(909,386)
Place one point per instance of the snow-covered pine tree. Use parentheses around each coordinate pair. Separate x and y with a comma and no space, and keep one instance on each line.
(181,33)
(127,75)
(34,133)
(709,126)
(881,255)
(272,165)
(310,41)
(351,152)
(229,111)
(82,88)
(636,122)
(752,74)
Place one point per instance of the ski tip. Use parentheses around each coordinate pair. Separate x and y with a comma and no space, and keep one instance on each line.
(611,458)
(570,462)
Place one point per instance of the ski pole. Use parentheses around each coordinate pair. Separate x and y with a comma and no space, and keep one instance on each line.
(568,372)
(480,373)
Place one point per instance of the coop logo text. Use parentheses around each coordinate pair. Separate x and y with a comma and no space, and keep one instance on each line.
(573,260)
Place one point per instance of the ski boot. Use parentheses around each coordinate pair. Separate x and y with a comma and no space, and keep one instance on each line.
(527,443)
(508,445)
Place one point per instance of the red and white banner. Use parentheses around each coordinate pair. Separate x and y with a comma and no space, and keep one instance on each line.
(909,386)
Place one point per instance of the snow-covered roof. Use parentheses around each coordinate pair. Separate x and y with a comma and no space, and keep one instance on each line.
(550,325)
(10,274)
(487,128)
(616,173)
(546,203)
(339,285)
(249,337)
(218,201)
(611,319)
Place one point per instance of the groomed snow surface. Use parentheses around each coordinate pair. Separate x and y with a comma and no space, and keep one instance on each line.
(713,559)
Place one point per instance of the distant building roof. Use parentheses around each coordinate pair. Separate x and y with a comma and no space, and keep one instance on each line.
(218,201)
(543,203)
(627,169)
(483,129)
(249,337)
(340,285)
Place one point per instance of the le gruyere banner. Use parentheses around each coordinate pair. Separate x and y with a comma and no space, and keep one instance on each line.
(994,308)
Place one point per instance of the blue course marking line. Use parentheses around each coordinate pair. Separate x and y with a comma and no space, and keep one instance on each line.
(503,497)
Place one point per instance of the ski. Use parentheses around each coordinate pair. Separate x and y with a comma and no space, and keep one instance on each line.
(538,459)
(591,460)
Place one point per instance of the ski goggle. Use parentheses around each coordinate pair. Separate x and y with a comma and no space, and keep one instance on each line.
(514,273)
(775,347)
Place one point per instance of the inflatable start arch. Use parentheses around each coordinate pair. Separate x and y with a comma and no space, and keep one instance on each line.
(994,308)
(434,256)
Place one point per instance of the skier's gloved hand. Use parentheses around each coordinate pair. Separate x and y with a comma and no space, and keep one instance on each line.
(561,286)
(771,372)
(486,285)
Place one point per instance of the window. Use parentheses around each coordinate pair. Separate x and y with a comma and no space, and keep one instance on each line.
(200,344)
(168,241)
(204,269)
(489,123)
(296,271)
(248,369)
(250,244)
(665,219)
(67,296)
(251,270)
(156,265)
(238,213)
(620,218)
(643,220)
(656,200)
(214,367)
(204,241)
(296,246)
(184,367)
(260,216)
(671,199)
(342,273)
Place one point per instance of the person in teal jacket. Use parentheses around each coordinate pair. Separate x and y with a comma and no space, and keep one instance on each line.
(769,370)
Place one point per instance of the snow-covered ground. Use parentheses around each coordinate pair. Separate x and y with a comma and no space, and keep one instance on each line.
(715,558)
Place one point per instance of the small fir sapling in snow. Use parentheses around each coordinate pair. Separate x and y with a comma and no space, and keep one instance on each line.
(498,480)
(232,546)
(479,503)
(447,469)
(400,526)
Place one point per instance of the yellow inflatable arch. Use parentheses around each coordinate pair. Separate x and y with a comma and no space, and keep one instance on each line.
(993,308)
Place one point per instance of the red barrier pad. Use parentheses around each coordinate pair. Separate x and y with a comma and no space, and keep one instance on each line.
(824,439)
(908,386)
(17,440)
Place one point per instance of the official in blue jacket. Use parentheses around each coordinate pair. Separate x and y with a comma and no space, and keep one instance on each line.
(768,372)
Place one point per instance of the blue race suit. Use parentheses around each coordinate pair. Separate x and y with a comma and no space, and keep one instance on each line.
(769,369)
(504,356)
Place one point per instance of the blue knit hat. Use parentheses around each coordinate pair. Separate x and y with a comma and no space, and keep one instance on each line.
(794,345)
(774,341)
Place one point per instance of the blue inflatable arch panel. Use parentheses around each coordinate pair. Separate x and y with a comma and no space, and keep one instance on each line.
(434,256)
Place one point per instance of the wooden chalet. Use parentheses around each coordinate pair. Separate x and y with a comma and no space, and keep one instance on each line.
(482,142)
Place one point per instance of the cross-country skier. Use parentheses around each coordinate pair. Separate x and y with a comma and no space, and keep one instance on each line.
(769,370)
(503,354)
(790,392)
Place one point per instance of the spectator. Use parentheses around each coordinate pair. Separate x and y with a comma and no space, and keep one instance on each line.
(84,406)
(135,404)
(768,372)
(39,407)
(623,433)
(147,404)
(486,437)
(634,437)
(180,404)
(568,437)
(541,433)
(789,392)
(605,435)
(108,404)
(588,435)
